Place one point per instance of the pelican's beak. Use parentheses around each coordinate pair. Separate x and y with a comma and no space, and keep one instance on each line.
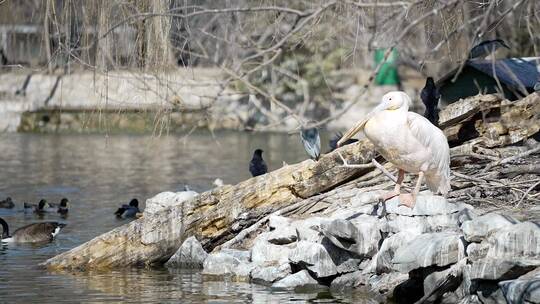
(361,124)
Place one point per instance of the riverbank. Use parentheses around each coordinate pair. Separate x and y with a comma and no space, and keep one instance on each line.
(179,99)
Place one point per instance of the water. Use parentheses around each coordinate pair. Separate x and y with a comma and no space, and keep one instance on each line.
(98,173)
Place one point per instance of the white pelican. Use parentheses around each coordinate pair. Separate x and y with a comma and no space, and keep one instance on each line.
(410,142)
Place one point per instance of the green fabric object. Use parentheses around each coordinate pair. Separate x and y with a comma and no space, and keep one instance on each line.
(388,74)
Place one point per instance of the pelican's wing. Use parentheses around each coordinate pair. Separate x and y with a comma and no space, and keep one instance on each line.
(434,139)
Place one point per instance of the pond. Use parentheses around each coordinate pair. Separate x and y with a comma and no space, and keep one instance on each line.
(98,173)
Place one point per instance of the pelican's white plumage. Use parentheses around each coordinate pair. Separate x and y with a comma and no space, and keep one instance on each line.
(407,140)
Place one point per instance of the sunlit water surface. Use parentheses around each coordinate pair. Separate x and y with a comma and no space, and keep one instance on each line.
(99,172)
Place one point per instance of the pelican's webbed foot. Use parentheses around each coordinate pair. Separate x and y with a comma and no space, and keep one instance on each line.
(407,199)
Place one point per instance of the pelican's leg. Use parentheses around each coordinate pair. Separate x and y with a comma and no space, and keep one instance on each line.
(397,188)
(409,199)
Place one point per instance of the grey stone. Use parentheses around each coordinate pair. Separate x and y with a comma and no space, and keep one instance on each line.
(190,255)
(386,282)
(345,261)
(242,271)
(314,257)
(299,280)
(478,229)
(476,251)
(220,264)
(425,205)
(241,255)
(520,240)
(501,269)
(440,249)
(364,198)
(342,234)
(521,290)
(471,299)
(277,221)
(383,259)
(282,236)
(369,234)
(348,280)
(270,274)
(309,229)
(265,253)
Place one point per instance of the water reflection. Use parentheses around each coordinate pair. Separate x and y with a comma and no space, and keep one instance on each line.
(98,173)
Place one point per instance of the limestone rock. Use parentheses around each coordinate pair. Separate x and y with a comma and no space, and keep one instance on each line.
(525,290)
(440,249)
(309,229)
(425,205)
(369,234)
(501,269)
(383,259)
(166,200)
(277,221)
(190,255)
(342,234)
(282,236)
(242,255)
(314,257)
(242,271)
(345,261)
(520,240)
(270,274)
(348,280)
(299,280)
(385,283)
(476,251)
(219,264)
(265,253)
(479,228)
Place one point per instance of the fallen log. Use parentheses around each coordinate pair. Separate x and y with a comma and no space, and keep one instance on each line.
(214,216)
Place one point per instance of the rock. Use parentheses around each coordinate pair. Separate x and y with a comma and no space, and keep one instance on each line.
(314,257)
(477,230)
(345,261)
(299,280)
(521,290)
(166,200)
(242,255)
(476,251)
(385,283)
(277,221)
(190,255)
(520,240)
(471,299)
(365,198)
(369,234)
(242,271)
(439,283)
(265,253)
(342,234)
(309,229)
(414,225)
(220,264)
(383,259)
(499,269)
(348,280)
(282,236)
(440,249)
(270,274)
(425,205)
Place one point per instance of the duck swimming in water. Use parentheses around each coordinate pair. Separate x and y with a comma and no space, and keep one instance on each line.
(63,207)
(127,211)
(40,208)
(7,203)
(33,233)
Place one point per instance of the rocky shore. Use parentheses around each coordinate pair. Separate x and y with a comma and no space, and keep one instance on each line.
(438,252)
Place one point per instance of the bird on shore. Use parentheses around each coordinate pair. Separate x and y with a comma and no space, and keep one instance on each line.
(63,208)
(430,96)
(410,142)
(312,142)
(487,47)
(334,140)
(257,166)
(7,203)
(128,211)
(33,233)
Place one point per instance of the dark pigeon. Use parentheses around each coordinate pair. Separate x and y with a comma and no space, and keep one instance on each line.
(487,47)
(430,97)
(257,166)
(334,140)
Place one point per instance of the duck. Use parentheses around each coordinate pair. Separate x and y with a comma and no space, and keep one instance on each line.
(41,207)
(7,203)
(127,211)
(33,233)
(63,207)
